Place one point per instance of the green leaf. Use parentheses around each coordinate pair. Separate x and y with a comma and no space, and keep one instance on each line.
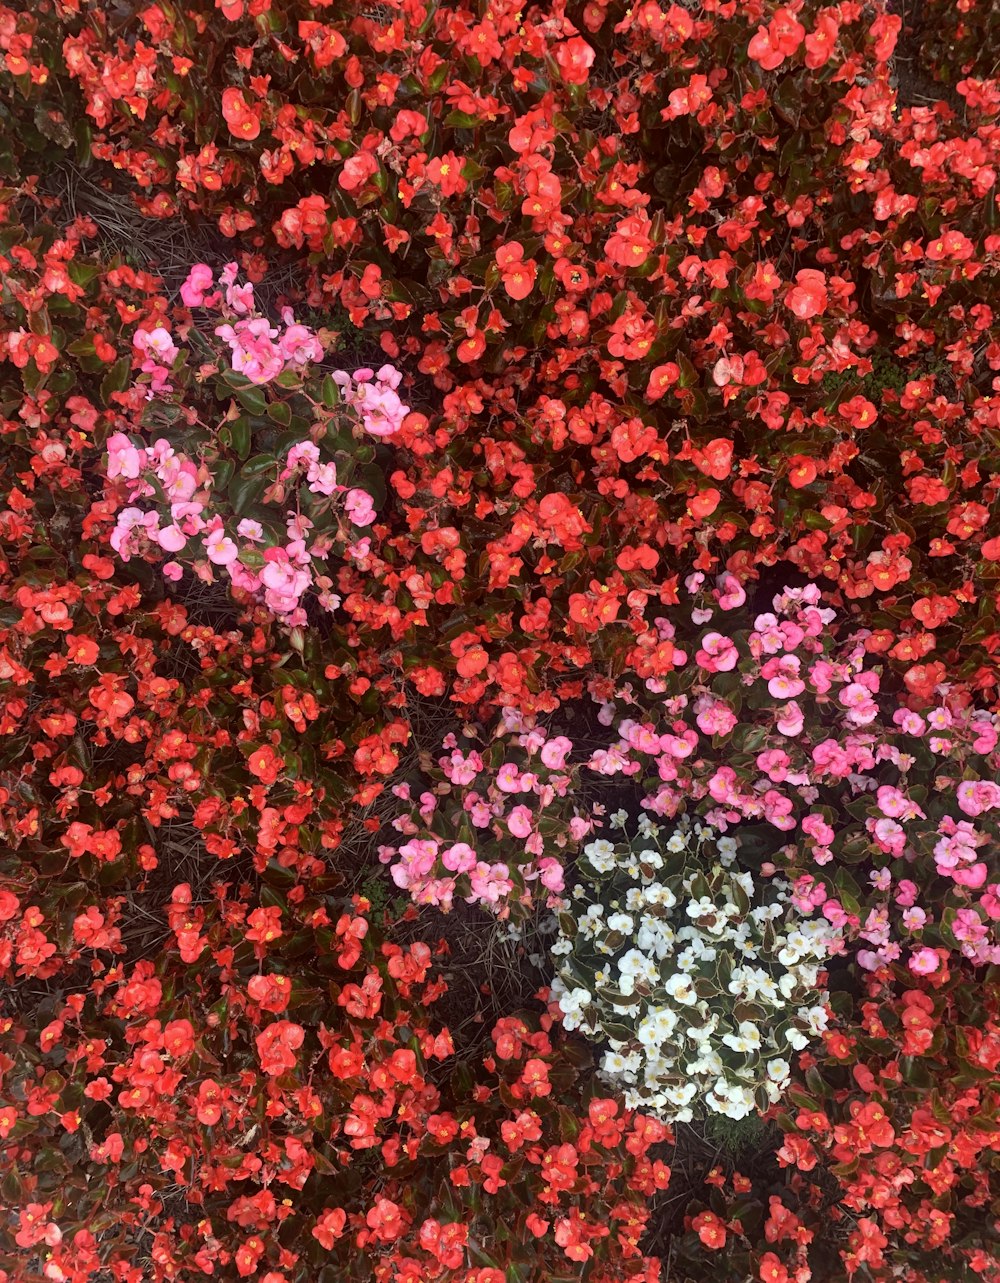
(245,491)
(117,379)
(461,120)
(330,393)
(239,434)
(252,399)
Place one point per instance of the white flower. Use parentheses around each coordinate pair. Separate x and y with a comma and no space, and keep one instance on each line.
(746,1038)
(679,988)
(666,1052)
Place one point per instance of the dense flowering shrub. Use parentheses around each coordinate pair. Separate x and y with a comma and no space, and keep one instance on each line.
(700,987)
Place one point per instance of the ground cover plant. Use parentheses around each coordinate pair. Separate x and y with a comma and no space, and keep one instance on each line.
(499,644)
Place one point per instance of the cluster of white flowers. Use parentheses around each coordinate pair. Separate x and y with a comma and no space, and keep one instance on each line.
(699,987)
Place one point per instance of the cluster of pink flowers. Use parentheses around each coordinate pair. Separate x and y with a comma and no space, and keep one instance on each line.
(261,351)
(278,565)
(515,802)
(278,575)
(802,725)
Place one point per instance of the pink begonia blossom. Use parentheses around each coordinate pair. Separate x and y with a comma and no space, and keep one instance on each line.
(729,593)
(774,762)
(782,675)
(555,752)
(322,478)
(816,827)
(195,290)
(821,676)
(640,736)
(459,858)
(509,778)
(489,883)
(924,962)
(360,507)
(461,769)
(790,720)
(254,353)
(172,571)
(551,874)
(239,298)
(298,344)
(220,549)
(124,459)
(250,530)
(519,822)
(680,746)
(906,893)
(715,717)
(987,736)
(157,344)
(171,539)
(976,796)
(718,654)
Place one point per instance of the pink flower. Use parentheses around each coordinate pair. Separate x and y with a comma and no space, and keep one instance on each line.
(790,720)
(924,962)
(459,858)
(124,459)
(509,778)
(171,538)
(555,752)
(359,507)
(156,343)
(730,593)
(519,822)
(220,549)
(298,345)
(914,919)
(551,874)
(489,883)
(976,796)
(715,717)
(718,654)
(199,280)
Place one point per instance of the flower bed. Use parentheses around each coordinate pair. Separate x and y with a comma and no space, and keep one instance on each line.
(534,471)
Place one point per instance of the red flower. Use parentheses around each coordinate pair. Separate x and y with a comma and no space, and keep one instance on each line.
(517,273)
(266,764)
(661,378)
(330,1226)
(808,296)
(715,460)
(277,1044)
(859,412)
(710,1229)
(239,116)
(574,58)
(802,471)
(771,1269)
